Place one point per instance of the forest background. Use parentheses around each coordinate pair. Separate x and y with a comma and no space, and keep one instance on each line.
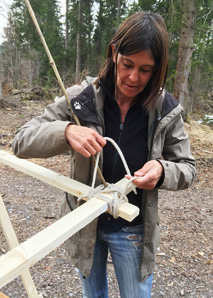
(78,43)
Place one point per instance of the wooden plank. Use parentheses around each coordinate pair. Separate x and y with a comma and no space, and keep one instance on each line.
(12,241)
(126,210)
(29,252)
(55,179)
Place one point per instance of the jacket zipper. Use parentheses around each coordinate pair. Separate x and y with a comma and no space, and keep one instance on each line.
(116,154)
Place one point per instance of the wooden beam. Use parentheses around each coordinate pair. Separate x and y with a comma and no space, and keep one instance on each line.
(126,210)
(32,250)
(55,179)
(12,241)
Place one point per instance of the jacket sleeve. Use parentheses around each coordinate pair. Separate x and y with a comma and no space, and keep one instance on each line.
(43,136)
(178,162)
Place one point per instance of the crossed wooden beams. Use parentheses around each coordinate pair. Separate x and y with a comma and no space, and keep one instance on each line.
(23,256)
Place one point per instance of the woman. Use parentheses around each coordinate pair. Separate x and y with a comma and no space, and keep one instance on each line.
(127,103)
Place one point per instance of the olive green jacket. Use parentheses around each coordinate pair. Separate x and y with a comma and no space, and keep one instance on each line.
(44,137)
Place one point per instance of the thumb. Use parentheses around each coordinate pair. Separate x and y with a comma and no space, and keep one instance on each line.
(139,173)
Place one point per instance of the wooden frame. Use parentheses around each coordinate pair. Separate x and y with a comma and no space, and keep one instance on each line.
(29,252)
(126,210)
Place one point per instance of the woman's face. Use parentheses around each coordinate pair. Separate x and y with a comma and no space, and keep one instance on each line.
(133,74)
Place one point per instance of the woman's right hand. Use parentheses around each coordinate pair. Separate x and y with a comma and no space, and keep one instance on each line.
(84,140)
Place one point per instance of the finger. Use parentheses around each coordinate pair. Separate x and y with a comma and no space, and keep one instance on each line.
(100,140)
(143,171)
(139,173)
(93,149)
(133,179)
(95,146)
(144,182)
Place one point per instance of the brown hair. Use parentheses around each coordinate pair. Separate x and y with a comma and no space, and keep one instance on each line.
(139,32)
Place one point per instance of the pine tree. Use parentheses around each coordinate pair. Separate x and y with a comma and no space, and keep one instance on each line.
(27,40)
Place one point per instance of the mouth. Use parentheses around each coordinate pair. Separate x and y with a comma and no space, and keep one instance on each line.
(130,86)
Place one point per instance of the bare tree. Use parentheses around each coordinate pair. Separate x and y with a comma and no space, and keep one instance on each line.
(78,44)
(67,32)
(185,54)
(1,96)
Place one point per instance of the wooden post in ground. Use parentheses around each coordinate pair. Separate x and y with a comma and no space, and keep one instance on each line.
(12,241)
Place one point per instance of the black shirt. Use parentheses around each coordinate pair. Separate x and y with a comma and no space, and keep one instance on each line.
(131,137)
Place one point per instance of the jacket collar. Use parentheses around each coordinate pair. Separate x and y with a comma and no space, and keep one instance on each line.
(89,104)
(84,107)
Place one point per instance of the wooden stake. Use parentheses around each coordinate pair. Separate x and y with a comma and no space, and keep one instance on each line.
(12,241)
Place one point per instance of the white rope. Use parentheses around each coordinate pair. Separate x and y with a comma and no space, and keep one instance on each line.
(118,194)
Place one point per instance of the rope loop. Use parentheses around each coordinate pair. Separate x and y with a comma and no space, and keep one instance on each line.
(118,194)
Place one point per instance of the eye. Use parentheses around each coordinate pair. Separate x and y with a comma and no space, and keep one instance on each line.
(127,65)
(143,70)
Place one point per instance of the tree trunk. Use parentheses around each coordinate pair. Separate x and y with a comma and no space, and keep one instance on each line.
(78,45)
(89,36)
(30,69)
(1,96)
(185,54)
(118,9)
(30,80)
(67,32)
(99,29)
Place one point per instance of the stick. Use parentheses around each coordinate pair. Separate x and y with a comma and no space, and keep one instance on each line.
(52,62)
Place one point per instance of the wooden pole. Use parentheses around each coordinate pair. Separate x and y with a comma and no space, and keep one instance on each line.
(52,62)
(12,241)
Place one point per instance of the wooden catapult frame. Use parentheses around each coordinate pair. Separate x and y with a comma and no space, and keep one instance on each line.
(23,256)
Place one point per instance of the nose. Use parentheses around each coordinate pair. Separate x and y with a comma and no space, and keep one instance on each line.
(133,76)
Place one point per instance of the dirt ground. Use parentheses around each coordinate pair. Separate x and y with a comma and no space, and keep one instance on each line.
(184,257)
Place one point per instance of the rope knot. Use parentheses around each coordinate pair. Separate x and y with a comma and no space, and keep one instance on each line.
(118,194)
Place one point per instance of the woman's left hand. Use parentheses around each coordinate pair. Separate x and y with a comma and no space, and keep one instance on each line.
(148,176)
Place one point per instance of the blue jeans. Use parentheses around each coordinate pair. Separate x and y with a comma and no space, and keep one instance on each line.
(126,252)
